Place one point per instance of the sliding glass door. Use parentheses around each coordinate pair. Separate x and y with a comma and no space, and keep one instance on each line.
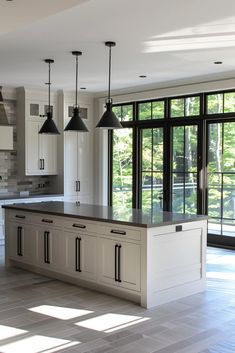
(184,170)
(221,182)
(152,168)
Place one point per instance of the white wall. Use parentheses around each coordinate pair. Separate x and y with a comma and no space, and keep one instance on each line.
(101,140)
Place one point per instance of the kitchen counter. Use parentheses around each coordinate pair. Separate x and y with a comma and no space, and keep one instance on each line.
(148,257)
(128,216)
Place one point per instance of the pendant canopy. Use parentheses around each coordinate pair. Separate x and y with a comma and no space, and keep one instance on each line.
(49,126)
(109,120)
(76,123)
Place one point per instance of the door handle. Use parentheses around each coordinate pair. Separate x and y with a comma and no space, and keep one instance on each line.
(119,263)
(19,241)
(77,185)
(76,225)
(43,164)
(19,216)
(78,254)
(115,263)
(40,164)
(46,247)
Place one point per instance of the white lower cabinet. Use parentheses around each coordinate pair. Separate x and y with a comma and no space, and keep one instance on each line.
(22,242)
(119,263)
(81,255)
(50,248)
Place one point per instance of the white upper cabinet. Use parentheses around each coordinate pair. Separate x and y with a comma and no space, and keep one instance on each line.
(78,155)
(37,153)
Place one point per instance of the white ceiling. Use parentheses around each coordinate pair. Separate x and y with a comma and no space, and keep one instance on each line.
(168,41)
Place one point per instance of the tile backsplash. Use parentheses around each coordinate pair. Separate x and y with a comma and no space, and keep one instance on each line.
(11,182)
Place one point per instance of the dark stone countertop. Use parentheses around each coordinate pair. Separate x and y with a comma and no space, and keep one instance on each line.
(128,216)
(30,196)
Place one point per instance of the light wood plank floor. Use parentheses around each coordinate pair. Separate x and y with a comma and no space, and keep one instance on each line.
(42,315)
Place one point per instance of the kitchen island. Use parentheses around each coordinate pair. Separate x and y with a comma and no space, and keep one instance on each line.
(145,256)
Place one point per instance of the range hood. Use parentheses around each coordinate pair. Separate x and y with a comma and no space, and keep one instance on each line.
(6,130)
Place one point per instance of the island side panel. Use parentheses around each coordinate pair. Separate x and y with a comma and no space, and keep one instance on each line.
(176,264)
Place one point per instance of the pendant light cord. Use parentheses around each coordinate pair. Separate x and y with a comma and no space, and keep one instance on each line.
(76,98)
(109,73)
(49,88)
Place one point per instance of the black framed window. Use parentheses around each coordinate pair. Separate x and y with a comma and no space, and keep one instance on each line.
(176,154)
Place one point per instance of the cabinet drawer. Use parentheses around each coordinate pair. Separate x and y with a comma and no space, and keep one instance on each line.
(48,220)
(120,231)
(20,216)
(77,225)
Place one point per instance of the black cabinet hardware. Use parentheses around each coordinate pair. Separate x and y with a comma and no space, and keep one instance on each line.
(78,254)
(47,220)
(178,228)
(20,216)
(116,231)
(77,185)
(47,247)
(19,241)
(77,225)
(119,263)
(43,163)
(115,263)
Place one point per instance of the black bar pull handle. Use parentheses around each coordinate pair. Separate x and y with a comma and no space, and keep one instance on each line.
(78,183)
(78,254)
(43,164)
(19,241)
(46,247)
(40,164)
(20,216)
(115,263)
(116,231)
(119,263)
(77,225)
(47,220)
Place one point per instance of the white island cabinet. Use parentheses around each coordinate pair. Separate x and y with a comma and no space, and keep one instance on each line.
(150,260)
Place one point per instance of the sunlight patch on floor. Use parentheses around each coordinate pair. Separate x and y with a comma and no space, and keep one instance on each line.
(111,322)
(59,312)
(8,332)
(37,344)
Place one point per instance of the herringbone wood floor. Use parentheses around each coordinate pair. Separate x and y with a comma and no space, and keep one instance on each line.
(42,315)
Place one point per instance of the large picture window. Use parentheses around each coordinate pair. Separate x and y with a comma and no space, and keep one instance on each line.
(177,154)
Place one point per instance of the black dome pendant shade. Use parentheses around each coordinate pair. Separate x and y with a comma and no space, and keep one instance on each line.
(49,126)
(109,119)
(76,123)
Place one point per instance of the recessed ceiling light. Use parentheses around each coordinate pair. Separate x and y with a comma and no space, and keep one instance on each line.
(82,87)
(142,76)
(218,62)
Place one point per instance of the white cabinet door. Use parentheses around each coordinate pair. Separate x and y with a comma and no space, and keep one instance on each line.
(106,258)
(70,163)
(119,263)
(41,151)
(81,255)
(22,242)
(33,164)
(130,265)
(50,249)
(48,153)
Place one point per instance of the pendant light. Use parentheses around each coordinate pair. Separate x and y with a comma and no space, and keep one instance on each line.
(109,119)
(49,127)
(76,123)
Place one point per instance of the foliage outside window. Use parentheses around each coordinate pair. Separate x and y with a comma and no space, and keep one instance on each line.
(221,103)
(124,112)
(122,167)
(151,110)
(181,107)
